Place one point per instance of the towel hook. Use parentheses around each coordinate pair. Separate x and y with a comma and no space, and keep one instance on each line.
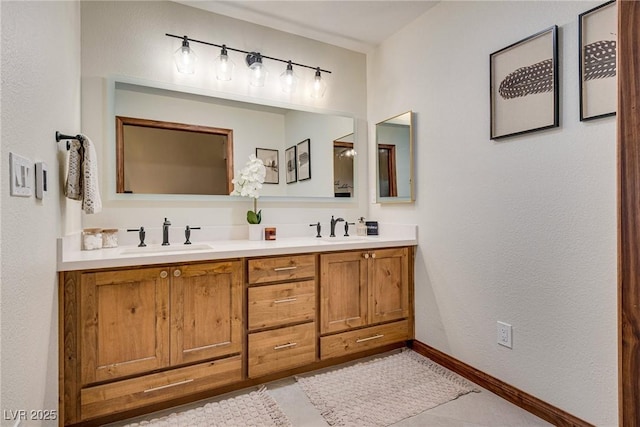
(61,136)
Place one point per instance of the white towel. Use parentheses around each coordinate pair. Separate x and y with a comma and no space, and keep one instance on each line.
(73,186)
(82,178)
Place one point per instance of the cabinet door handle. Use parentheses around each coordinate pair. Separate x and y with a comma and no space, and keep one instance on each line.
(373,255)
(177,273)
(366,256)
(288,345)
(285,268)
(280,301)
(163,274)
(375,337)
(149,390)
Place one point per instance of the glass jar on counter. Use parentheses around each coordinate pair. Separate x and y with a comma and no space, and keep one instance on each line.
(110,238)
(91,239)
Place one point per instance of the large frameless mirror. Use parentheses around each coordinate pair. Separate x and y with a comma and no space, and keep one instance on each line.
(234,131)
(394,147)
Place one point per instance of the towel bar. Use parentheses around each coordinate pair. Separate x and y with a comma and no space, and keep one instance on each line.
(61,136)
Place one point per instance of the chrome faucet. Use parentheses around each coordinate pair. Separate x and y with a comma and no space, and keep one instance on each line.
(333,225)
(165,232)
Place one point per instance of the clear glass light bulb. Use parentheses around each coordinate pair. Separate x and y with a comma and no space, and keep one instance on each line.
(224,66)
(288,79)
(319,86)
(185,58)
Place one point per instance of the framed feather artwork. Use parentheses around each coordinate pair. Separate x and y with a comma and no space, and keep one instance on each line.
(524,85)
(597,35)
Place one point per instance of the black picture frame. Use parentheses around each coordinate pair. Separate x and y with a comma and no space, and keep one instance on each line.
(270,159)
(524,86)
(597,61)
(291,165)
(303,159)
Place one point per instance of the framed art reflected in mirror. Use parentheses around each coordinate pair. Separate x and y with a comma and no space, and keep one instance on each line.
(303,155)
(269,158)
(290,164)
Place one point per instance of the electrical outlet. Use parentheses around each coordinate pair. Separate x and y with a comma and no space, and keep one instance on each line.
(504,334)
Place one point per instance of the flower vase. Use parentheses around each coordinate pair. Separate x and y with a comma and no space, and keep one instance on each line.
(255,232)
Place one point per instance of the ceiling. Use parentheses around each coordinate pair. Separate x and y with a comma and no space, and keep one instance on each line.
(358,25)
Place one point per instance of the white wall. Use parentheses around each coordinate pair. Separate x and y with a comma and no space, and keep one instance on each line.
(40,94)
(128,38)
(522,230)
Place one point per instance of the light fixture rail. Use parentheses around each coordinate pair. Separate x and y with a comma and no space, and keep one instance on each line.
(223,46)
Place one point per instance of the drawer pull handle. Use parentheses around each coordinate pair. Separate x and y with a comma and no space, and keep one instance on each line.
(280,301)
(149,390)
(375,337)
(280,347)
(285,268)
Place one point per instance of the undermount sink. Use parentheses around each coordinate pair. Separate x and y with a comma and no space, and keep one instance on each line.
(158,249)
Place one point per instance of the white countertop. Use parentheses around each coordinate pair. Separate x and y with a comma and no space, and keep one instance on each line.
(70,257)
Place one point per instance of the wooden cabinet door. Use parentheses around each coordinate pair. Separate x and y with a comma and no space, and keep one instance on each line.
(388,284)
(343,291)
(206,311)
(124,323)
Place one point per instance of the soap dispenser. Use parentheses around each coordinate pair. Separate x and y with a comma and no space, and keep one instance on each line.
(361,228)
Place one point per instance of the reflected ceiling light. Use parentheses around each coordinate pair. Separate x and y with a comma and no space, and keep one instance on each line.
(185,58)
(223,65)
(319,86)
(348,152)
(288,79)
(257,70)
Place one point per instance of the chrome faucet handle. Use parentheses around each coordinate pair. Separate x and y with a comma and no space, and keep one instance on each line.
(318,228)
(141,235)
(187,233)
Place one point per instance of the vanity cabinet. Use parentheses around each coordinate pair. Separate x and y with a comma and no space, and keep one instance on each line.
(364,300)
(146,335)
(137,339)
(281,313)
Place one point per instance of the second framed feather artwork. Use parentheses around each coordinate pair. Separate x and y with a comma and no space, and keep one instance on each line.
(597,34)
(524,85)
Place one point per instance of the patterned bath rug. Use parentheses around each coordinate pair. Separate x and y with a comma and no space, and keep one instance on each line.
(383,391)
(255,409)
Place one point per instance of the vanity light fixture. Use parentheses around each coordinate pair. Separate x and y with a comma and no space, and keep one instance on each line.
(288,79)
(223,65)
(185,57)
(185,60)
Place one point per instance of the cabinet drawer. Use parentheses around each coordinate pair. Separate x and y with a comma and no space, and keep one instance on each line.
(275,305)
(281,349)
(265,270)
(132,393)
(363,339)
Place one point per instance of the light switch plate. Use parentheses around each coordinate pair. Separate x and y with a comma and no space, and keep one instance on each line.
(21,170)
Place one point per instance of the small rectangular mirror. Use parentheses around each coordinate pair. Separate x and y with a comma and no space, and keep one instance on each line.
(394,147)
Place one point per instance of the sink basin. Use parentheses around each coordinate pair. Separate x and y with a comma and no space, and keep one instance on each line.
(159,249)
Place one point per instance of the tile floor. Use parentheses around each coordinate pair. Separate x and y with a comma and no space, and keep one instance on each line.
(483,409)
